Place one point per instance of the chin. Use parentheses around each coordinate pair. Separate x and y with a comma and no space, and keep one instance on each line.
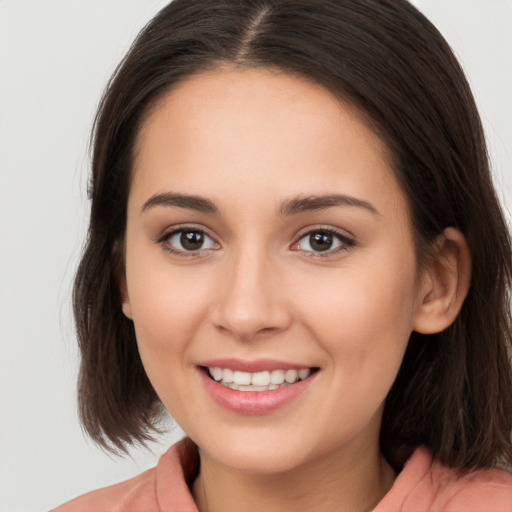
(246,445)
(258,461)
(256,451)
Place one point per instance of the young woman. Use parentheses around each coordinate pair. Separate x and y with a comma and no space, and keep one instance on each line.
(295,249)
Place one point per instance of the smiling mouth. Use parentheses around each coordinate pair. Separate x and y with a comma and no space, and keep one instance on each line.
(257,381)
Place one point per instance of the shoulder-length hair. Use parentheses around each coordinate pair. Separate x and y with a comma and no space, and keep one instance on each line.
(453,392)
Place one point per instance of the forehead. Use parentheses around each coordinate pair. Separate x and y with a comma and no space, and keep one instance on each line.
(223,132)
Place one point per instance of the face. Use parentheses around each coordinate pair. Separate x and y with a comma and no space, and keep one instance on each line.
(268,243)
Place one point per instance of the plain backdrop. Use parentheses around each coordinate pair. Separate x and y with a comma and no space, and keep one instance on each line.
(55,58)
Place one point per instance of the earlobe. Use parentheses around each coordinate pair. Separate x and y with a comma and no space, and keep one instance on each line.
(445,283)
(127,309)
(126,306)
(121,279)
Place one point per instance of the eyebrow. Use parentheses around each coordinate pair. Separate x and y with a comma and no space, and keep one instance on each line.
(310,203)
(292,206)
(191,202)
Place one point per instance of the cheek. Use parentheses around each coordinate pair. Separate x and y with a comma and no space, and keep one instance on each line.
(168,308)
(363,315)
(168,305)
(363,326)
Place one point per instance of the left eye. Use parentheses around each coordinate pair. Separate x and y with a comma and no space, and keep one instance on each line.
(322,241)
(190,240)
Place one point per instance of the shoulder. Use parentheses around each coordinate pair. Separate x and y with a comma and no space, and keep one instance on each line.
(164,487)
(426,484)
(481,490)
(138,493)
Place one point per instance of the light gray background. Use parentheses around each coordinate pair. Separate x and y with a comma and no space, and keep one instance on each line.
(55,57)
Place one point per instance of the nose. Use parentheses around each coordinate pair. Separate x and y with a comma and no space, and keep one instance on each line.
(252,297)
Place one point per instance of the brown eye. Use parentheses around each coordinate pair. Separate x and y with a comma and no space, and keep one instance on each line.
(189,240)
(323,240)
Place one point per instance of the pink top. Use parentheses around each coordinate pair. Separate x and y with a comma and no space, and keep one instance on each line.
(424,485)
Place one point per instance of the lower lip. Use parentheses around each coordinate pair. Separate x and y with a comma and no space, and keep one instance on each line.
(253,402)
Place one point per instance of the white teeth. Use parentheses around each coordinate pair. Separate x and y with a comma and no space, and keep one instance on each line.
(291,376)
(304,373)
(216,373)
(253,388)
(242,378)
(277,376)
(258,381)
(227,375)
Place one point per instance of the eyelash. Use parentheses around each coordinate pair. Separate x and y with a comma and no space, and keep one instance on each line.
(164,240)
(345,242)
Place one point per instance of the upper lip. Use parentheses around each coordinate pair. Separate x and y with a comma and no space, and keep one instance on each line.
(257,365)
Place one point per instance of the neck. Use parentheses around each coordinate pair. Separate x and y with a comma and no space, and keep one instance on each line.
(354,482)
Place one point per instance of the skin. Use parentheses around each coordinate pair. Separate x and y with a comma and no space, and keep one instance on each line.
(249,141)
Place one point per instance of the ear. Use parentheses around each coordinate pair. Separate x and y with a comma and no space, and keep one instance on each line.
(445,283)
(121,279)
(126,305)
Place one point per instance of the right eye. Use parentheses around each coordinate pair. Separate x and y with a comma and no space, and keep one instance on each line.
(189,241)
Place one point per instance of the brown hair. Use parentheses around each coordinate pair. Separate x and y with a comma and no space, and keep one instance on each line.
(453,392)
